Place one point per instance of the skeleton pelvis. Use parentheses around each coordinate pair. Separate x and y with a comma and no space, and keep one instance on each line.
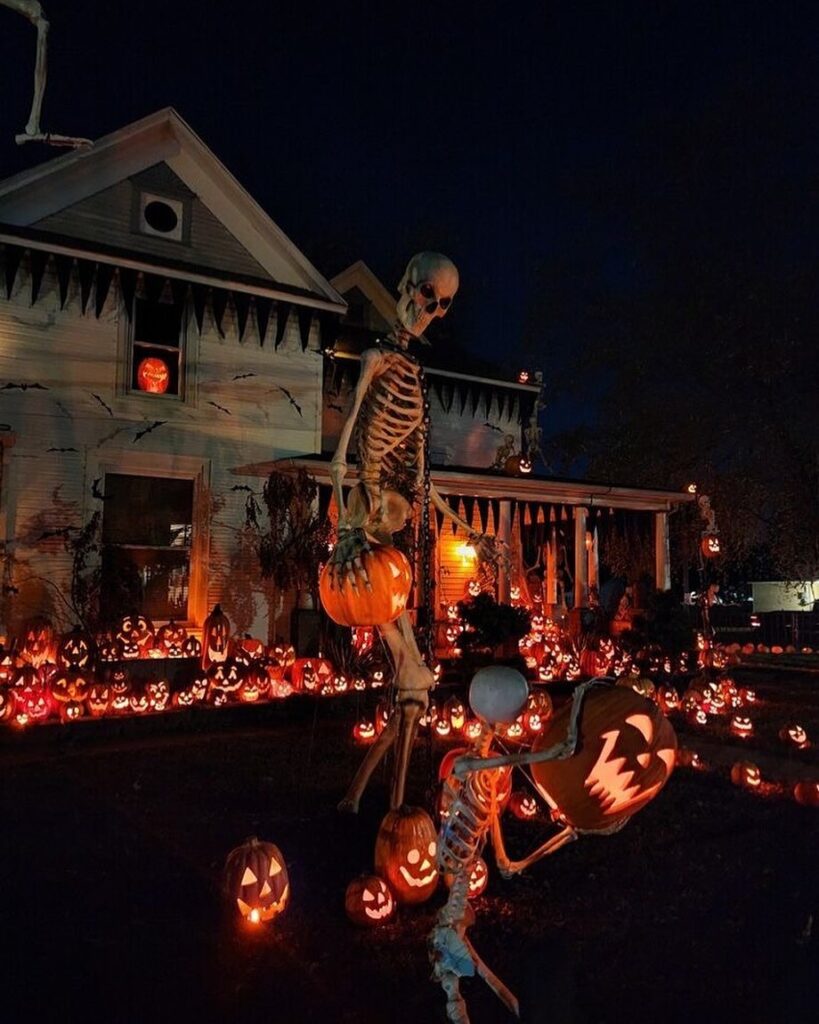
(381,513)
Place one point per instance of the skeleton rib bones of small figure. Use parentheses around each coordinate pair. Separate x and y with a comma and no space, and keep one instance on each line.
(391,419)
(606,755)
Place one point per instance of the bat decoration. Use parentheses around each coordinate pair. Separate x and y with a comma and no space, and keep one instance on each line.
(61,449)
(23,387)
(242,376)
(242,487)
(493,427)
(290,399)
(96,492)
(338,408)
(105,406)
(65,533)
(221,408)
(141,433)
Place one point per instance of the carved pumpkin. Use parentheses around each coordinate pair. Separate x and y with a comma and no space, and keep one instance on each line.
(478,879)
(183,699)
(6,703)
(795,735)
(456,712)
(38,643)
(311,674)
(668,699)
(405,851)
(98,700)
(136,635)
(523,805)
(153,375)
(118,680)
(390,581)
(33,699)
(247,649)
(170,639)
(285,654)
(70,685)
(742,726)
(249,690)
(158,693)
(71,711)
(364,730)
(109,649)
(746,774)
(626,752)
(368,901)
(75,650)
(256,879)
(215,637)
(225,677)
(710,546)
(191,648)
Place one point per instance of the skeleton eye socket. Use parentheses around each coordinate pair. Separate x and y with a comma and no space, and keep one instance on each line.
(445,303)
(427,290)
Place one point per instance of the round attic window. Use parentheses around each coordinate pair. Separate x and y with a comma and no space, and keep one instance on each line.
(161,217)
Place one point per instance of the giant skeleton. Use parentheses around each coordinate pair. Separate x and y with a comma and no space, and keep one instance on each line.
(390,415)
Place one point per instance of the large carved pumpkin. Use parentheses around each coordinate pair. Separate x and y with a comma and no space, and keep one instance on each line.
(153,375)
(390,582)
(75,650)
(368,901)
(405,851)
(625,754)
(215,637)
(37,642)
(256,879)
(136,636)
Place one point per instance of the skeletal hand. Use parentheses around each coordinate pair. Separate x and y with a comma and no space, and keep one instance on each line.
(491,549)
(346,562)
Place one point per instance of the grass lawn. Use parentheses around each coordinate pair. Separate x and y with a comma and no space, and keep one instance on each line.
(112,848)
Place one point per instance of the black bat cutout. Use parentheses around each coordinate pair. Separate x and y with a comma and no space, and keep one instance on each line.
(23,387)
(65,533)
(242,376)
(147,430)
(96,492)
(338,408)
(221,408)
(290,399)
(61,449)
(105,406)
(493,427)
(242,487)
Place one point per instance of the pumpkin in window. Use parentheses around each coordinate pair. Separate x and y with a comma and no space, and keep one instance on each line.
(215,637)
(170,639)
(368,901)
(405,850)
(153,375)
(626,752)
(37,642)
(390,578)
(256,880)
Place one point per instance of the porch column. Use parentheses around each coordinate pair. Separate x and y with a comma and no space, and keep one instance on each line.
(662,561)
(550,595)
(594,560)
(581,585)
(504,534)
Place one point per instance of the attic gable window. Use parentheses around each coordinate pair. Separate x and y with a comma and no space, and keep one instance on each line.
(157,352)
(162,217)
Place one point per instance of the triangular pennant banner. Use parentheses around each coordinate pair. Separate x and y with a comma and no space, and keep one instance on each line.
(282,313)
(329,326)
(305,317)
(86,275)
(263,308)
(105,274)
(200,298)
(439,518)
(469,509)
(64,265)
(462,391)
(438,390)
(219,301)
(38,265)
(14,256)
(127,289)
(494,504)
(242,302)
(179,291)
(483,512)
(474,399)
(325,496)
(453,502)
(541,514)
(153,287)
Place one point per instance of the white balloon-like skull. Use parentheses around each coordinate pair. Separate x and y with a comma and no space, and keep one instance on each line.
(427,289)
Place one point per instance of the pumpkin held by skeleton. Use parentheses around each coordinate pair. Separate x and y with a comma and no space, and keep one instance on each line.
(390,584)
(256,880)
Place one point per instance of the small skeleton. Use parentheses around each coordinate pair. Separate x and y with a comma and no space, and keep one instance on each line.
(32,133)
(470,815)
(391,417)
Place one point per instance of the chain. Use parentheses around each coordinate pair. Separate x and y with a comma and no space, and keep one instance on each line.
(427,630)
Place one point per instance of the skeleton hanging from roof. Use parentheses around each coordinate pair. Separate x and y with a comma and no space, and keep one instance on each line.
(32,133)
(391,418)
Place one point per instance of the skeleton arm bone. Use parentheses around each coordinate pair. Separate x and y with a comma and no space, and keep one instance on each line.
(509,867)
(486,547)
(370,362)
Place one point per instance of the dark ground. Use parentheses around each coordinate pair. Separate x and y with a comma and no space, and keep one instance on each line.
(113,846)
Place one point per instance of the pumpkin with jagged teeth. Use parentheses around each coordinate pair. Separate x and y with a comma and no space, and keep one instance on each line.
(170,639)
(368,901)
(135,630)
(256,880)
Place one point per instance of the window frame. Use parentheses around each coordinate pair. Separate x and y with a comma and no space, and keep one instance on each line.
(128,348)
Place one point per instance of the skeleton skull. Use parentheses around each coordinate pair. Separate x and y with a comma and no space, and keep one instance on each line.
(427,289)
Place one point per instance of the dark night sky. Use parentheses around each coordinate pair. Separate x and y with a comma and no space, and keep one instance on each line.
(553,150)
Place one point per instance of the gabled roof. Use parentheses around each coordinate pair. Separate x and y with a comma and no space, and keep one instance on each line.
(34,194)
(359,275)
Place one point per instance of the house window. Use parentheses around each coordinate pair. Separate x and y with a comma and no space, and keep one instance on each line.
(147,534)
(157,362)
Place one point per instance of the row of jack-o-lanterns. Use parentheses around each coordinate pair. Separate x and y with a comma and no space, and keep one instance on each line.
(747,775)
(30,695)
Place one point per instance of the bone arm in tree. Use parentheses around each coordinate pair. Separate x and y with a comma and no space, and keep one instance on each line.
(370,361)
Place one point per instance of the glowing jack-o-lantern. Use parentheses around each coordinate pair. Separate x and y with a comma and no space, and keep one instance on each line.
(746,774)
(69,685)
(795,735)
(668,699)
(456,712)
(170,639)
(472,729)
(158,693)
(98,699)
(225,677)
(710,546)
(523,805)
(136,636)
(153,375)
(8,667)
(191,648)
(215,637)
(405,851)
(108,649)
(390,584)
(478,879)
(364,730)
(72,711)
(742,726)
(37,643)
(626,752)
(33,699)
(6,703)
(368,901)
(247,649)
(74,650)
(256,880)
